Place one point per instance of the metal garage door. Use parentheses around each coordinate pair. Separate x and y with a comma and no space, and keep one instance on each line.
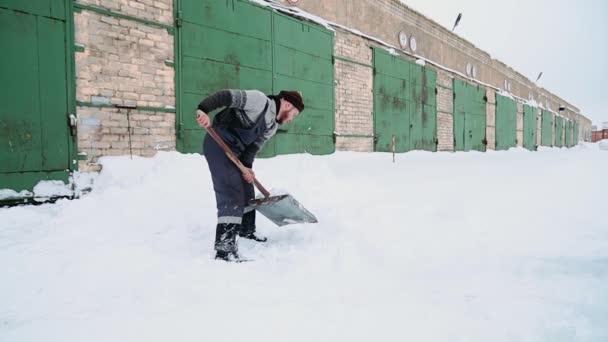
(238,44)
(34,133)
(506,123)
(559,131)
(546,134)
(469,117)
(530,122)
(568,133)
(405,104)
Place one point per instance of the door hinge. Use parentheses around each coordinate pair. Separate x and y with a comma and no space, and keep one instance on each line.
(73,123)
(484,141)
(178,19)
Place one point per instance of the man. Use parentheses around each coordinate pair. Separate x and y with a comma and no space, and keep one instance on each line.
(248,120)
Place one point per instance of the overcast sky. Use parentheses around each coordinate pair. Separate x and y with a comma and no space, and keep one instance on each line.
(565,39)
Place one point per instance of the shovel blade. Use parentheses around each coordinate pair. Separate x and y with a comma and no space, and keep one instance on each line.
(283,210)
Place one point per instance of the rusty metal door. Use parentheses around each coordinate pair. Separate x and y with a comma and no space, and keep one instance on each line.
(469,117)
(34,133)
(241,45)
(405,104)
(506,123)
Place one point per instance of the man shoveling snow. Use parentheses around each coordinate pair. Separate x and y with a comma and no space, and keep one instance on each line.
(248,120)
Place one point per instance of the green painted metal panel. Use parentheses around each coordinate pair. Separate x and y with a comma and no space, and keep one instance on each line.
(192,140)
(576,133)
(53,94)
(303,61)
(530,127)
(506,123)
(302,36)
(207,77)
(559,131)
(226,47)
(237,44)
(20,125)
(469,117)
(546,133)
(34,136)
(242,17)
(44,8)
(568,134)
(293,63)
(405,104)
(391,65)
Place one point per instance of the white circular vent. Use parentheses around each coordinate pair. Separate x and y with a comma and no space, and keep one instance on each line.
(403,39)
(474,72)
(413,43)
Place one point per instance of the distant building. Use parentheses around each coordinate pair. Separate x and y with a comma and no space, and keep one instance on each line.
(599,134)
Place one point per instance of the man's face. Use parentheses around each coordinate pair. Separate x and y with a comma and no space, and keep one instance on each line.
(287,113)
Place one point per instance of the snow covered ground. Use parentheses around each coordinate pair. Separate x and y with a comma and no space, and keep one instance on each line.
(497,246)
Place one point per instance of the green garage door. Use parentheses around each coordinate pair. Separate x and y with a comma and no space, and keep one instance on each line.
(469,117)
(576,132)
(34,137)
(568,133)
(506,123)
(405,104)
(546,133)
(559,131)
(530,120)
(241,45)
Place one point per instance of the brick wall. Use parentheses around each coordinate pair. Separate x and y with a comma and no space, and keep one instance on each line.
(520,124)
(445,111)
(124,64)
(491,119)
(354,93)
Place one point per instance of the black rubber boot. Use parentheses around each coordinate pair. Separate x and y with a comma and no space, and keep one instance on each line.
(225,241)
(227,256)
(247,229)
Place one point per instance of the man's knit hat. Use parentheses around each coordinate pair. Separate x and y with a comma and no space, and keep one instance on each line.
(293,97)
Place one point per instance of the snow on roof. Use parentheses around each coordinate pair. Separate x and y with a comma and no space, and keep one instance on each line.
(294,11)
(393,50)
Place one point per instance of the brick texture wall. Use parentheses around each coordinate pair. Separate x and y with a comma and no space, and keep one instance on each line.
(520,124)
(124,63)
(354,93)
(445,112)
(491,119)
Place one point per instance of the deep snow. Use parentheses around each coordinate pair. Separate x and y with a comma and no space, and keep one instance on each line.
(497,246)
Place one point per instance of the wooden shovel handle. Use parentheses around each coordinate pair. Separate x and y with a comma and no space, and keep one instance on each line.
(234,159)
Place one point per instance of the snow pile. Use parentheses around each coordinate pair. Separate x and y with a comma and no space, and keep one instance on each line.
(603,144)
(501,246)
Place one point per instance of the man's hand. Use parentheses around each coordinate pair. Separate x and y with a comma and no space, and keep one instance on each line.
(249,176)
(202,118)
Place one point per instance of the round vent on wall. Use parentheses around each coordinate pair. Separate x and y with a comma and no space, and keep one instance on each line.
(293,1)
(403,39)
(469,69)
(413,43)
(474,72)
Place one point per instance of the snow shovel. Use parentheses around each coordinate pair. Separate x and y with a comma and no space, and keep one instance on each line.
(280,209)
